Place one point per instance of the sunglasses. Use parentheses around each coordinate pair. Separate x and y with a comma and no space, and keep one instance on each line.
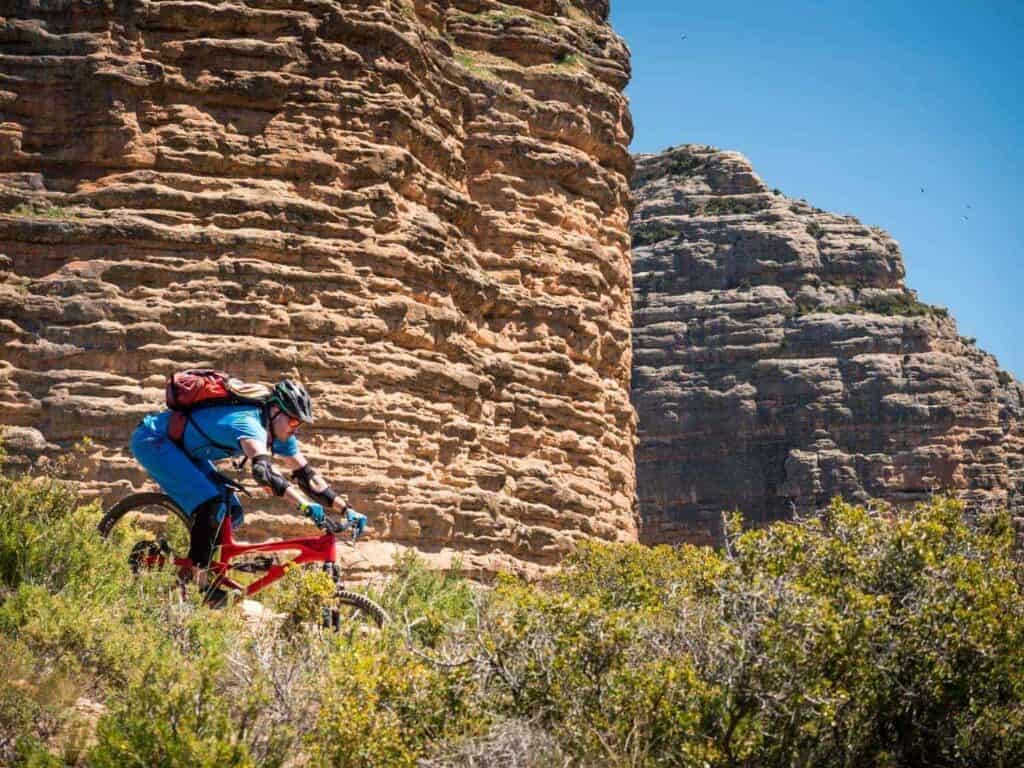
(293,423)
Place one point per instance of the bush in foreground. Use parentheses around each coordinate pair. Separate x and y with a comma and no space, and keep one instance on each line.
(856,638)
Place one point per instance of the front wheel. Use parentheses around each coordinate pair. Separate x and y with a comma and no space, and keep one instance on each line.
(348,605)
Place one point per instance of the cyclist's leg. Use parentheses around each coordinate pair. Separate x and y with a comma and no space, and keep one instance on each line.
(175,473)
(205,531)
(185,482)
(232,504)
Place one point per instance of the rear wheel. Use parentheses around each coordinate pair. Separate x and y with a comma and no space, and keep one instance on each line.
(161,530)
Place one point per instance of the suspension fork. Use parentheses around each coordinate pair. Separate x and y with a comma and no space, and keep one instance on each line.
(334,572)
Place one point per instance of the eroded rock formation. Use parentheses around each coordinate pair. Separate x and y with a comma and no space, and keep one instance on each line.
(419,208)
(779,360)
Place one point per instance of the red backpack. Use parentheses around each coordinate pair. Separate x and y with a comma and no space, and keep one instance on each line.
(202,388)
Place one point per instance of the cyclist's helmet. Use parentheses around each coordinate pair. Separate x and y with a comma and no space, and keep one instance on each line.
(292,398)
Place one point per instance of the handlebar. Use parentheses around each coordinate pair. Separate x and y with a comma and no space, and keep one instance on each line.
(329,526)
(336,527)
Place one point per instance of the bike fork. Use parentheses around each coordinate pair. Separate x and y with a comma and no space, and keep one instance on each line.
(331,614)
(334,571)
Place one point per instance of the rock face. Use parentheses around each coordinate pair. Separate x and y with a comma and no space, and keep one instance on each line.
(779,360)
(418,208)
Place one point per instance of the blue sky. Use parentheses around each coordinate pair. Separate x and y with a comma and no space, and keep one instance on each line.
(856,107)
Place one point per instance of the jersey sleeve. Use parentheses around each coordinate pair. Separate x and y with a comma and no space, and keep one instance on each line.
(287,447)
(245,424)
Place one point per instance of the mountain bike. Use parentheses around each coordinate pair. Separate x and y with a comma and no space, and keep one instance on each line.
(167,541)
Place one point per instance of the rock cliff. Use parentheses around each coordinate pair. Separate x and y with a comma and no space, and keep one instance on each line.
(779,360)
(418,208)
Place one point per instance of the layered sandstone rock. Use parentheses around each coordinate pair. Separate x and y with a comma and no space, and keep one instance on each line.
(779,360)
(418,208)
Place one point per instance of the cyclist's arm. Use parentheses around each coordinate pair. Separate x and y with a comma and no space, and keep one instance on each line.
(312,482)
(294,493)
(254,448)
(293,462)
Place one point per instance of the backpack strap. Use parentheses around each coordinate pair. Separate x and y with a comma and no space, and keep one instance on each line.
(265,421)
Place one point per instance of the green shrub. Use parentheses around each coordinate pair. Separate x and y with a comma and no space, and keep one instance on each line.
(301,595)
(890,305)
(179,717)
(718,206)
(633,576)
(858,637)
(475,65)
(40,211)
(898,304)
(26,717)
(685,165)
(384,707)
(815,230)
(430,602)
(46,537)
(653,232)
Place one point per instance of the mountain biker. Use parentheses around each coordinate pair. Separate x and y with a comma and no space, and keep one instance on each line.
(185,471)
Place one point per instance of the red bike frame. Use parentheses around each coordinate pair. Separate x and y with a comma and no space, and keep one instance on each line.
(312,549)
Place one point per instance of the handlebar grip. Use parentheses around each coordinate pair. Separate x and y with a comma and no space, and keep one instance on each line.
(330,526)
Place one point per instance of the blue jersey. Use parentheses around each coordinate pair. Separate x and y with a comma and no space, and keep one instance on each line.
(226,425)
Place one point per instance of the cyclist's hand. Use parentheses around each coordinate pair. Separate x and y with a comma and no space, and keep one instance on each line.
(314,511)
(356,519)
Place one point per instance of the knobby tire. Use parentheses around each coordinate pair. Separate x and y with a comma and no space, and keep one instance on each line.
(138,501)
(362,603)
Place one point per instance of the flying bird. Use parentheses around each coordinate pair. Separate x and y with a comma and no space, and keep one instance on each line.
(922,189)
(964,218)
